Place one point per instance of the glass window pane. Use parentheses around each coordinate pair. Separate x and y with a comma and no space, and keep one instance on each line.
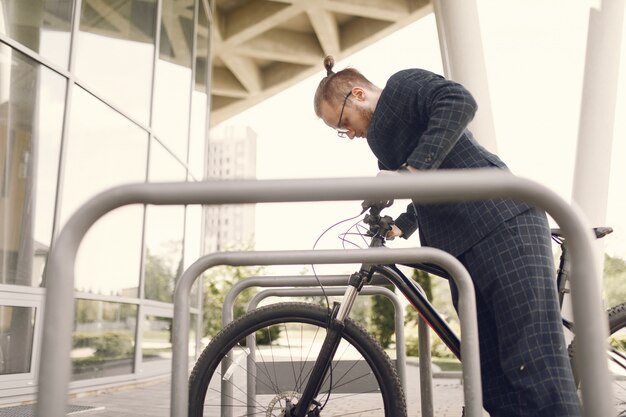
(41,25)
(30,141)
(115,52)
(202,49)
(173,76)
(193,242)
(104,150)
(198,133)
(164,231)
(103,342)
(109,256)
(17,326)
(156,344)
(157,339)
(199,101)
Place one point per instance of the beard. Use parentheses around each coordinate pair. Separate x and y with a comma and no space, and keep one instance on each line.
(366,116)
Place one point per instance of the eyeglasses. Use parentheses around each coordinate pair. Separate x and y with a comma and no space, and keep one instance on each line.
(343,132)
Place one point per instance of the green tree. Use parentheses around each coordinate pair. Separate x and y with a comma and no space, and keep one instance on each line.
(614,279)
(159,278)
(217,282)
(382,320)
(424,280)
(437,291)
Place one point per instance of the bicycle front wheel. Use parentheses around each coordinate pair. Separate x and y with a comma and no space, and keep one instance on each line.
(260,363)
(616,356)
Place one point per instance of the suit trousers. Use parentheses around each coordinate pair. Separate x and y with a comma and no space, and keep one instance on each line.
(524,362)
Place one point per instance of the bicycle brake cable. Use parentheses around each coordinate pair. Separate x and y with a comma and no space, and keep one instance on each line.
(315,245)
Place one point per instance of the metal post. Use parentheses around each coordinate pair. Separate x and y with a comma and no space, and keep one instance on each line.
(426,372)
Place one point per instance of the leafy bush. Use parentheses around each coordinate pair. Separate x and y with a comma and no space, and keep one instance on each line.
(113,345)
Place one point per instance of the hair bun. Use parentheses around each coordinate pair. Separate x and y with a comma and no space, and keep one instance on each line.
(329,62)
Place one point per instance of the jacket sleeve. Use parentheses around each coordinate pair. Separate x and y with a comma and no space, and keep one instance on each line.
(407,221)
(447,107)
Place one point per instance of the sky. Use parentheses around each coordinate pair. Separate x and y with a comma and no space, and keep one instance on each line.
(534,54)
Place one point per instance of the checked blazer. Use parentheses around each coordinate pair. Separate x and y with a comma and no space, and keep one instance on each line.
(421,119)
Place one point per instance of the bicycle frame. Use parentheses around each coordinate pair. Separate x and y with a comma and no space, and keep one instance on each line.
(408,287)
(416,297)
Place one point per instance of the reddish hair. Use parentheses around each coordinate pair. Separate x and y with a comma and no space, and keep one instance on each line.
(334,87)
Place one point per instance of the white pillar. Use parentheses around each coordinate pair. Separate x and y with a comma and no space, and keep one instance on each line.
(464,62)
(592,169)
(597,114)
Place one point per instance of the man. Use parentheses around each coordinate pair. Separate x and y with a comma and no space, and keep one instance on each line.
(419,122)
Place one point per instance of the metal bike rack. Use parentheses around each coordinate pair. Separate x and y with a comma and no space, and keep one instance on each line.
(311,281)
(427,187)
(467,305)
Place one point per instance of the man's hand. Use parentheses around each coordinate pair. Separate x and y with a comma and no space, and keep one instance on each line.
(385,173)
(404,169)
(394,232)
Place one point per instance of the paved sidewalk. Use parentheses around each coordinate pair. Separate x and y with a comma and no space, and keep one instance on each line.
(153,399)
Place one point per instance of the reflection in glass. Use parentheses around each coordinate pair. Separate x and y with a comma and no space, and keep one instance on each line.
(199,101)
(173,77)
(197,138)
(104,150)
(17,326)
(193,242)
(29,156)
(108,258)
(164,231)
(156,344)
(103,342)
(202,49)
(115,52)
(193,322)
(41,25)
(157,339)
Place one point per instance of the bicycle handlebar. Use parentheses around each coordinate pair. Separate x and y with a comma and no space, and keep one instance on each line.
(378,225)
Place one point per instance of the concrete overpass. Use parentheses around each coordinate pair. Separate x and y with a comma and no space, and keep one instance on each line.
(261,47)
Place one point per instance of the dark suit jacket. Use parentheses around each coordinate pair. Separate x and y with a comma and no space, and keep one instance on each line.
(421,119)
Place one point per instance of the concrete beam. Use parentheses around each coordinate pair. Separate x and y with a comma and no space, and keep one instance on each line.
(390,10)
(256,18)
(326,29)
(224,83)
(246,71)
(284,46)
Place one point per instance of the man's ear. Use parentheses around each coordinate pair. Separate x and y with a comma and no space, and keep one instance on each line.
(358,93)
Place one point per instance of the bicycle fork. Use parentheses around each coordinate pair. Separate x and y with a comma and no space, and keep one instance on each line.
(324,361)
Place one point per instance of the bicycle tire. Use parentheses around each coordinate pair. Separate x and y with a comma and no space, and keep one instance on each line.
(351,391)
(616,356)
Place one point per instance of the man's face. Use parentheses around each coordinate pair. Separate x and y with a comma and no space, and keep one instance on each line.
(355,118)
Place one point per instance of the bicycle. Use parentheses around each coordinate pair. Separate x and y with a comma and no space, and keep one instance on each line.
(299,359)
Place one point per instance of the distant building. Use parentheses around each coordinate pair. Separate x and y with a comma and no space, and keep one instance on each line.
(231,155)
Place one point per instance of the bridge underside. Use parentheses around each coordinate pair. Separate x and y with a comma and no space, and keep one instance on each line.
(260,47)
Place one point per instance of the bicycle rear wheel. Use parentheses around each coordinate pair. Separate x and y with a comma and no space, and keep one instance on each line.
(616,356)
(266,356)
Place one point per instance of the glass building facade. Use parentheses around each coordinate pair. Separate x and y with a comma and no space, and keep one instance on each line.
(94,94)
